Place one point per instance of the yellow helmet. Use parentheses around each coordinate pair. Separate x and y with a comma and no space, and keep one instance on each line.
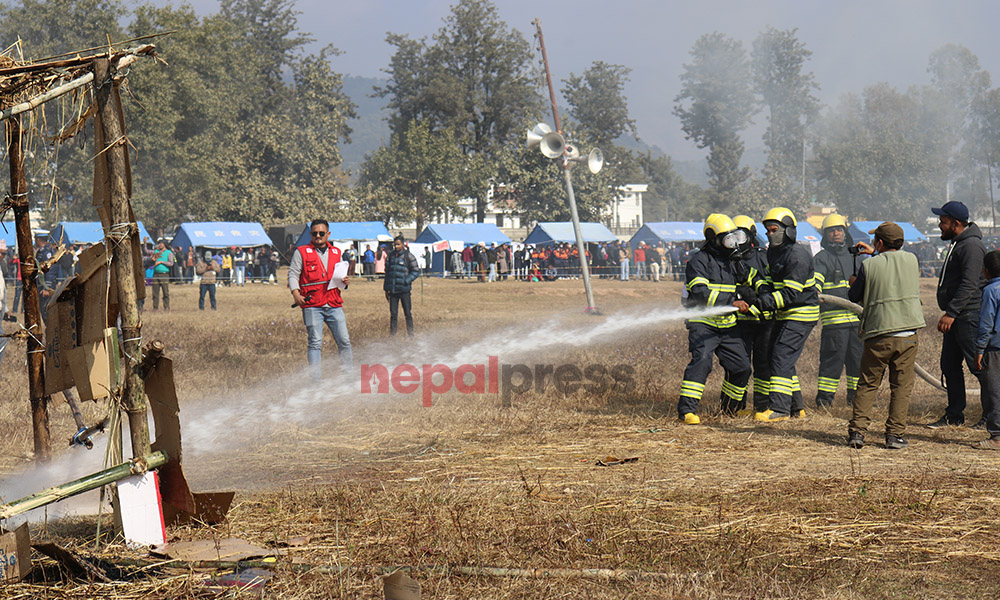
(745,222)
(834,220)
(781,215)
(718,224)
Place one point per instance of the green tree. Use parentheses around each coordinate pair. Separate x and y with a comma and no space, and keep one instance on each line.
(414,177)
(477,79)
(60,176)
(778,60)
(715,104)
(597,102)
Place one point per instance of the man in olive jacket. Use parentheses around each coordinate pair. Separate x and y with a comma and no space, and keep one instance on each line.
(888,287)
(400,270)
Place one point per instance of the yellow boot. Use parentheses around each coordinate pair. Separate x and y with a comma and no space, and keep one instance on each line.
(691,419)
(769,416)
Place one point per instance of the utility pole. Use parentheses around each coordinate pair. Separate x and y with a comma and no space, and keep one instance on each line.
(581,249)
(29,289)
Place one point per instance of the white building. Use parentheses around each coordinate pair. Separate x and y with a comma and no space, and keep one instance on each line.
(626,212)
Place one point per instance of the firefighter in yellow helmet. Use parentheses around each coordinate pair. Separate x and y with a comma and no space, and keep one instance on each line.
(840,344)
(754,326)
(712,282)
(793,299)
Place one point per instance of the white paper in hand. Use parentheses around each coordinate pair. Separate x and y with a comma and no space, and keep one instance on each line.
(339,272)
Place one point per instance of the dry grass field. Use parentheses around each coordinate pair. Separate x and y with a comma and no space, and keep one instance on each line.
(727,509)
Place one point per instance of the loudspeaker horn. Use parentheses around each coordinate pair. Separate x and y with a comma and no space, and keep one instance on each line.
(552,145)
(595,160)
(535,135)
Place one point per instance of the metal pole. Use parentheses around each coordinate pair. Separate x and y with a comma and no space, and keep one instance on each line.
(29,289)
(993,206)
(584,267)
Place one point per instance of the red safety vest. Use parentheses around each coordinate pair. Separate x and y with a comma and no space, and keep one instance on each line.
(315,277)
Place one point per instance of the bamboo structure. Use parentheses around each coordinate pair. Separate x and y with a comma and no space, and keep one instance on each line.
(32,309)
(32,85)
(122,226)
(135,466)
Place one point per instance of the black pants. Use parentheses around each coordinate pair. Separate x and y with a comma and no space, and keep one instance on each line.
(839,350)
(958,345)
(788,338)
(394,301)
(704,341)
(757,341)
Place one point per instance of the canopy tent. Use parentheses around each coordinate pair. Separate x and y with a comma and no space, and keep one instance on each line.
(859,231)
(668,231)
(458,235)
(10,236)
(678,231)
(552,233)
(359,231)
(220,235)
(86,232)
(469,233)
(806,233)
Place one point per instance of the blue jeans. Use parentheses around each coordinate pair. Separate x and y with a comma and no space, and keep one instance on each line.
(314,317)
(241,274)
(206,288)
(493,272)
(624,269)
(468,269)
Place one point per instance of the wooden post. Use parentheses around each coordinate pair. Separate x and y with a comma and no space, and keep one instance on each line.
(134,393)
(32,311)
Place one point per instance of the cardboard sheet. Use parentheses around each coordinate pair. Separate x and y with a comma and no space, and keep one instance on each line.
(60,337)
(15,554)
(90,367)
(163,404)
(229,549)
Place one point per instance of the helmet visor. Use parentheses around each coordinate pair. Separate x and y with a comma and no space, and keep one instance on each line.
(735,239)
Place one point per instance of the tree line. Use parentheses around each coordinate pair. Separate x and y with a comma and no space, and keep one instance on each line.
(243,123)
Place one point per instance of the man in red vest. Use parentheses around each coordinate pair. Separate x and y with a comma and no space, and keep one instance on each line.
(309,277)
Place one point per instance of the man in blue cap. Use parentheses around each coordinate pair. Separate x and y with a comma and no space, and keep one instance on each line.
(958,295)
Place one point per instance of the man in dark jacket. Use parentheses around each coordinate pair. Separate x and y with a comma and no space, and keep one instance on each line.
(959,293)
(840,346)
(401,269)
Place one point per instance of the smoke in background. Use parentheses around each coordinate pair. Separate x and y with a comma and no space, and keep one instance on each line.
(214,425)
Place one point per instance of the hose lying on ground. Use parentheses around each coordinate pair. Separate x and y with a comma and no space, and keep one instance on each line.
(922,372)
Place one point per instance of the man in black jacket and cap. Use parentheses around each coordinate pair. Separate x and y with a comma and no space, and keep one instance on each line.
(959,293)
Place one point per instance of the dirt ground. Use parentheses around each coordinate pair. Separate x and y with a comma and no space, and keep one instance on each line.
(728,509)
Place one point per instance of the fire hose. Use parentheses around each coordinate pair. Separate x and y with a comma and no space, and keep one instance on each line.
(921,372)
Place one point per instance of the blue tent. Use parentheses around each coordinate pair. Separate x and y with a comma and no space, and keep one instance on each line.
(468,233)
(668,231)
(678,231)
(9,236)
(859,231)
(804,232)
(87,232)
(550,233)
(220,235)
(354,232)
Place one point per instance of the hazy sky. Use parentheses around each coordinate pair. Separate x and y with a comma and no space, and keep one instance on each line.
(854,42)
